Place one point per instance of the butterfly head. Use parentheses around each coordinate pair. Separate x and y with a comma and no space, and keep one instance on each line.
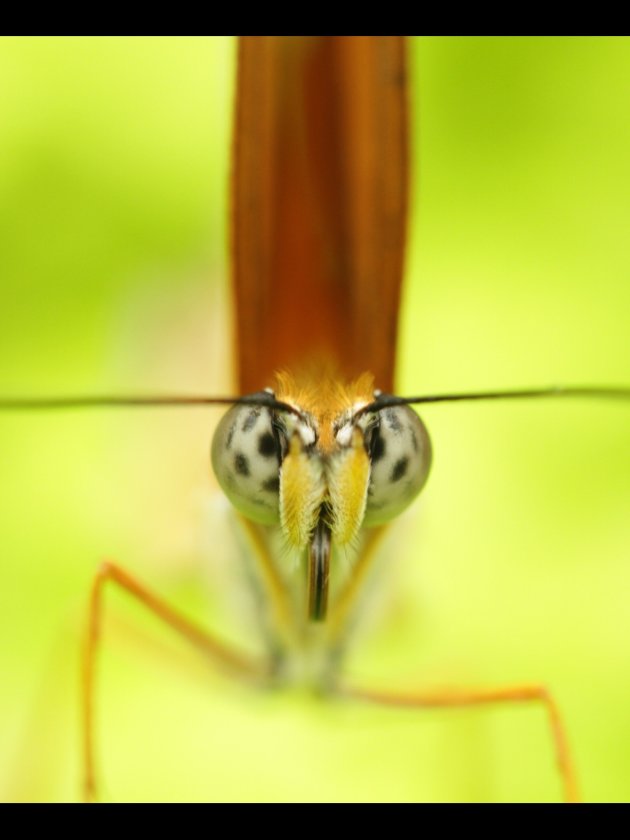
(332,455)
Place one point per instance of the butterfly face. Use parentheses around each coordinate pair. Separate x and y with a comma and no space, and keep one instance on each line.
(351,469)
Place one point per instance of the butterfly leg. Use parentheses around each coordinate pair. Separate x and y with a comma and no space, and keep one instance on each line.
(236,662)
(456,698)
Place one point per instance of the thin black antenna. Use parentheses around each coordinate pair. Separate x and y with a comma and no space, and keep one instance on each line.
(588,391)
(263,398)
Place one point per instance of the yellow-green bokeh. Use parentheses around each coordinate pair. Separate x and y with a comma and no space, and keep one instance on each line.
(515,565)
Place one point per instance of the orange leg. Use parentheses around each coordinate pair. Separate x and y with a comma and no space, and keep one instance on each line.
(479,697)
(237,663)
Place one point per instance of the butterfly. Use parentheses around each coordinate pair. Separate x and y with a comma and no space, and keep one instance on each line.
(404,727)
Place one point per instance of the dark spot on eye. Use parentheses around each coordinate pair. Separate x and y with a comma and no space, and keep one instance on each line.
(414,438)
(250,420)
(271,485)
(400,468)
(241,464)
(267,445)
(377,447)
(393,420)
(230,436)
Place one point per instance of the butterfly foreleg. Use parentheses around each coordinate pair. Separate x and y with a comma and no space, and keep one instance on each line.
(234,661)
(458,698)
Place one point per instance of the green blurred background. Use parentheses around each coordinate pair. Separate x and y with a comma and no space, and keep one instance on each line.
(513,567)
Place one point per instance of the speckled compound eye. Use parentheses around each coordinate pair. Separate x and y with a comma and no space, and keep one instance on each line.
(400,452)
(246,456)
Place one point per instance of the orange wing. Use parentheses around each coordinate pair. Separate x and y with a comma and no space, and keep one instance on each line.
(319,205)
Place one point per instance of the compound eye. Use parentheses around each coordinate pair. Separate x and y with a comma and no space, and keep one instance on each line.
(246,457)
(400,452)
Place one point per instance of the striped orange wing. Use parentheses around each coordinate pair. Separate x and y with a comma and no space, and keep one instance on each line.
(319,205)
